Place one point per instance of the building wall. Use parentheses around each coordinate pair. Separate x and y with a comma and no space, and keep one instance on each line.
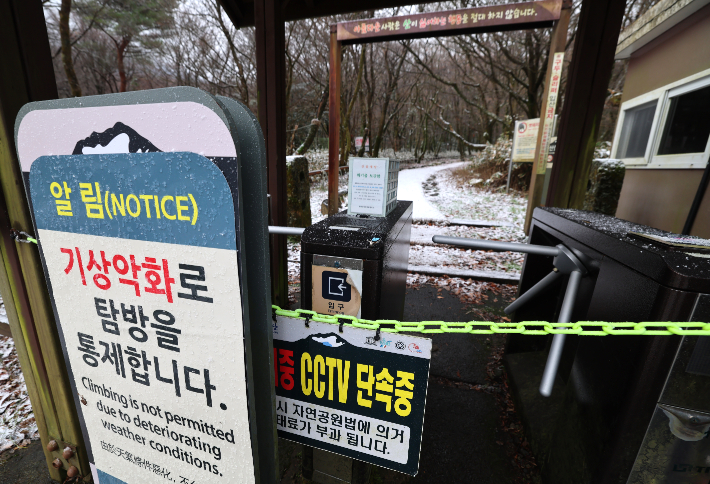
(678,53)
(661,198)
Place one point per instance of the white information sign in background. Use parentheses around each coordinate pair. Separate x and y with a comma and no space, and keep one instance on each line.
(525,140)
(142,260)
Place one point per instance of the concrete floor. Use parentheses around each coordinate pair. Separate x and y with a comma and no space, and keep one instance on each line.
(25,466)
(460,425)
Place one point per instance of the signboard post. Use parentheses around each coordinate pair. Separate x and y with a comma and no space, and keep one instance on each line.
(549,114)
(141,256)
(352,391)
(489,18)
(553,79)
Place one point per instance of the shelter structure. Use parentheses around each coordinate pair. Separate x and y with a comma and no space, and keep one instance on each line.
(26,74)
(663,131)
(477,20)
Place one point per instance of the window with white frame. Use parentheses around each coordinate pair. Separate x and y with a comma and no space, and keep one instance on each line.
(636,130)
(668,127)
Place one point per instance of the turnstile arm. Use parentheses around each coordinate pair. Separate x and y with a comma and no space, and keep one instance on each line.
(565,263)
(558,341)
(546,281)
(499,246)
(275,229)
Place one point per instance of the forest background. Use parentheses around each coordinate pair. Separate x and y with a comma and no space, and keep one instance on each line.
(415,97)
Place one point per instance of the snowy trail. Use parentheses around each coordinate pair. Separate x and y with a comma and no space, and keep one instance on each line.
(410,188)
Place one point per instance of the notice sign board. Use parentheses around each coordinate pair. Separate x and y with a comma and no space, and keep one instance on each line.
(367,186)
(351,393)
(141,257)
(525,140)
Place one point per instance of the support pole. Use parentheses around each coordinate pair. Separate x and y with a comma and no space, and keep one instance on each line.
(510,172)
(270,34)
(271,94)
(586,91)
(336,51)
(26,74)
(558,42)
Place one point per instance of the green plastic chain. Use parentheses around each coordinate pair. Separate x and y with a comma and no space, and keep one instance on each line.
(583,328)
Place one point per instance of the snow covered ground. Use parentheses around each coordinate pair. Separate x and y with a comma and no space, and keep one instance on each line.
(467,202)
(17,422)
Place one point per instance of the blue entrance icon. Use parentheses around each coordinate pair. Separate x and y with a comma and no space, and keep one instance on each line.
(335,287)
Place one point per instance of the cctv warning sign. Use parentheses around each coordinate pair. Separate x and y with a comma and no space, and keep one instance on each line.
(351,391)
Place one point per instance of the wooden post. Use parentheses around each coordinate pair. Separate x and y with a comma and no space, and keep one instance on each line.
(336,51)
(558,42)
(26,74)
(588,80)
(271,94)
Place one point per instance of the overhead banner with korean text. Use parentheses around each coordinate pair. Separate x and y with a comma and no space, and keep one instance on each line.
(141,256)
(460,21)
(548,117)
(354,393)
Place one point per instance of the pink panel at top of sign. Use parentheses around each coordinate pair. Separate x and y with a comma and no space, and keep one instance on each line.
(178,126)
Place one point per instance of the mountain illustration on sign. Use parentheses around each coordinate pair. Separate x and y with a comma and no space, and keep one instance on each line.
(331,340)
(118,139)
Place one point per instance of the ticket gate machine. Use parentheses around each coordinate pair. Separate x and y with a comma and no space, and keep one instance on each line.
(616,409)
(354,265)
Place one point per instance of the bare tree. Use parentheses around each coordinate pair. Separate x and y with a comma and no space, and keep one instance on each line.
(65,35)
(142,22)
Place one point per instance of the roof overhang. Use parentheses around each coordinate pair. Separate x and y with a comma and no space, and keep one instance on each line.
(241,12)
(659,19)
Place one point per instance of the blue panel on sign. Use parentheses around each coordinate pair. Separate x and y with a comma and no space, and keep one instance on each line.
(118,195)
(108,478)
